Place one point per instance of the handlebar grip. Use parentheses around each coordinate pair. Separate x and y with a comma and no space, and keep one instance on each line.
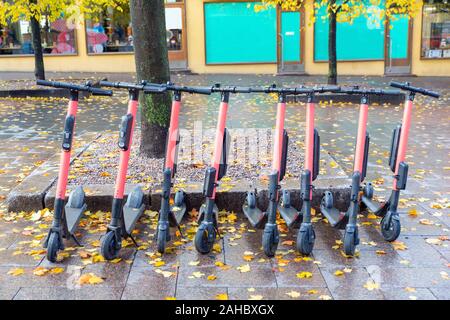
(202,90)
(407,87)
(105,83)
(45,83)
(100,92)
(242,89)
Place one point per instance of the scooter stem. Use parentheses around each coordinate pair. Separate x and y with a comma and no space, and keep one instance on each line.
(403,144)
(220,131)
(361,137)
(309,138)
(125,154)
(279,129)
(65,153)
(173,132)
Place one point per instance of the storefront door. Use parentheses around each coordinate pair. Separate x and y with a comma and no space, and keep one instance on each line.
(398,46)
(290,44)
(176,34)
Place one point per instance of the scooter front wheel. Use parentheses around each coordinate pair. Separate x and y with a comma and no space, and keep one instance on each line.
(204,238)
(161,240)
(349,244)
(392,231)
(270,240)
(110,247)
(305,239)
(52,247)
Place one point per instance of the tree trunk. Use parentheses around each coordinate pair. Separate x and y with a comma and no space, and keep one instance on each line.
(39,70)
(152,64)
(332,56)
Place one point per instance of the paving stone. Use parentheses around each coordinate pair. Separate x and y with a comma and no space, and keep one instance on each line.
(287,276)
(146,284)
(60,293)
(420,253)
(261,276)
(204,293)
(7,292)
(406,294)
(28,279)
(350,285)
(113,274)
(413,277)
(306,293)
(441,293)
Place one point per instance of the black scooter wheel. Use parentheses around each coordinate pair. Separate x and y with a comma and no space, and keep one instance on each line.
(161,240)
(349,243)
(305,241)
(368,190)
(328,200)
(110,248)
(392,231)
(204,238)
(179,198)
(251,200)
(270,242)
(52,247)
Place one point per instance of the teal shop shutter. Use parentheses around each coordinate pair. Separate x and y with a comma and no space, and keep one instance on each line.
(399,37)
(235,33)
(363,39)
(290,29)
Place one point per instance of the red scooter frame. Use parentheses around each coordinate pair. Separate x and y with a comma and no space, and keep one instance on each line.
(124,217)
(172,215)
(207,231)
(390,224)
(66,217)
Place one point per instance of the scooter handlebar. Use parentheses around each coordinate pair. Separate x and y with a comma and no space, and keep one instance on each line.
(231,89)
(406,86)
(75,87)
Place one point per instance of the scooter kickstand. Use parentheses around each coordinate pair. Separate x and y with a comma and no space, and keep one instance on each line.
(76,241)
(134,241)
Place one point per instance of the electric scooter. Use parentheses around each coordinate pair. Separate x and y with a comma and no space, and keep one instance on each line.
(67,216)
(390,223)
(208,213)
(171,215)
(124,217)
(348,220)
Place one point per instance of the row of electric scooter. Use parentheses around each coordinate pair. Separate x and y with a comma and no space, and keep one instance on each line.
(124,216)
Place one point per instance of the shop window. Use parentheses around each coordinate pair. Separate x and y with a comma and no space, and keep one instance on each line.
(112,32)
(57,38)
(235,33)
(360,39)
(436,30)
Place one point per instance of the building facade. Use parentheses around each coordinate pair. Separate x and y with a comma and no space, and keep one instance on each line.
(230,36)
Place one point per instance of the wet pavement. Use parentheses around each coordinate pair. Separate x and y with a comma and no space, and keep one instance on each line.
(414,267)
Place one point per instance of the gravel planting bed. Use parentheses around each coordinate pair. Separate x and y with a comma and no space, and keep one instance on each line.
(98,165)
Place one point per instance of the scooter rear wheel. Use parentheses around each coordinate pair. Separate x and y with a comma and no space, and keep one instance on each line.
(251,200)
(286,199)
(179,198)
(390,233)
(52,247)
(328,200)
(204,238)
(110,248)
(368,190)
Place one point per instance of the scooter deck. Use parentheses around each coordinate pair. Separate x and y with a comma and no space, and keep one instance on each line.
(255,216)
(131,216)
(201,214)
(375,207)
(73,216)
(176,214)
(290,215)
(336,218)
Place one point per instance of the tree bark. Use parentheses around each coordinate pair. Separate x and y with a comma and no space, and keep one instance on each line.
(332,55)
(152,64)
(39,70)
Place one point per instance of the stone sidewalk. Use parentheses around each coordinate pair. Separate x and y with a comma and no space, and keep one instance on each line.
(414,267)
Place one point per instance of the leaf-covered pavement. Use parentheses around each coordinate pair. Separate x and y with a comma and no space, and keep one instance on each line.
(414,267)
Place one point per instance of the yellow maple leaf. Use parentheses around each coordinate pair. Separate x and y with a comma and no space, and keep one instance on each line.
(170,298)
(211,277)
(372,285)
(57,270)
(16,272)
(255,297)
(413,212)
(244,268)
(304,275)
(40,271)
(222,296)
(293,294)
(338,273)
